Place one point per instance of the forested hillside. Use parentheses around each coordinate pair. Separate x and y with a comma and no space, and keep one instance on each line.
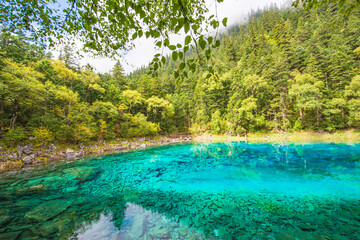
(283,70)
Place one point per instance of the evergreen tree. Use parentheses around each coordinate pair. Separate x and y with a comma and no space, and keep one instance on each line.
(68,56)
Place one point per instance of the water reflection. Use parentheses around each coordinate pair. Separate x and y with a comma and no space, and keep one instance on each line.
(138,223)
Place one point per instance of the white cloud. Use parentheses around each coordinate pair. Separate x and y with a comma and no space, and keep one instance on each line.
(235,10)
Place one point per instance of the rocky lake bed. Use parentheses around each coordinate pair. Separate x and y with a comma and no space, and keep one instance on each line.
(189,191)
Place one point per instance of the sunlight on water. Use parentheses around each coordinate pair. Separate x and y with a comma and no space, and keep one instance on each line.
(190,191)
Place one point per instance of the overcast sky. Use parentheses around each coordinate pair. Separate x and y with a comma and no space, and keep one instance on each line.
(235,10)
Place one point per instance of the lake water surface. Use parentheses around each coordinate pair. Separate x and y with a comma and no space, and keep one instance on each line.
(190,191)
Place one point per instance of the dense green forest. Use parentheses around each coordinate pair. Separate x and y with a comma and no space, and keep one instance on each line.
(284,70)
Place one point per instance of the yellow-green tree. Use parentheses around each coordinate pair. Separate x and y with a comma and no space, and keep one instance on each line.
(159,107)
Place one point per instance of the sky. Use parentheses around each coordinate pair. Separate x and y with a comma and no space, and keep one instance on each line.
(235,10)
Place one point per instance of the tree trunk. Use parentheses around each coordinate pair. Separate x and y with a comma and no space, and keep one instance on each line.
(283,111)
(188,116)
(13,119)
(188,121)
(2,112)
(87,93)
(276,122)
(317,116)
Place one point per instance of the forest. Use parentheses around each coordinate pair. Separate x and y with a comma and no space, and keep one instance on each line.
(284,70)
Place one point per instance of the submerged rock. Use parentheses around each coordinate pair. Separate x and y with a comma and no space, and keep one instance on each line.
(10,235)
(294,234)
(182,232)
(48,228)
(161,234)
(84,174)
(47,210)
(4,219)
(36,189)
(307,227)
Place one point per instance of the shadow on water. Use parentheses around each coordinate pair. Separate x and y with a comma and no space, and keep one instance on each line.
(204,191)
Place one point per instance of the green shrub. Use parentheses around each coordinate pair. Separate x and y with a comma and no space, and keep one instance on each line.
(15,136)
(43,135)
(298,124)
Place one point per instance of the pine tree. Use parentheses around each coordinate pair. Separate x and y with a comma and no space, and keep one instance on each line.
(68,56)
(118,76)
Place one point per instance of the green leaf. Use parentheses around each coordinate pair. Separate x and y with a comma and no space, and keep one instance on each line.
(179,26)
(195,27)
(193,67)
(166,42)
(173,22)
(163,59)
(181,55)
(224,21)
(179,45)
(172,47)
(156,34)
(182,66)
(158,43)
(208,54)
(202,43)
(187,27)
(187,39)
(210,40)
(214,23)
(174,55)
(156,66)
(217,43)
(176,74)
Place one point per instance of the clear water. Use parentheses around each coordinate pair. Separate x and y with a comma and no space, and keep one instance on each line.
(192,191)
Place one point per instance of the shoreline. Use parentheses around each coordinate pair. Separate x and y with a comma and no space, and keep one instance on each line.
(348,136)
(28,155)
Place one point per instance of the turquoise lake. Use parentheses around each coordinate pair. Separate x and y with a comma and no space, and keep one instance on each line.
(190,191)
